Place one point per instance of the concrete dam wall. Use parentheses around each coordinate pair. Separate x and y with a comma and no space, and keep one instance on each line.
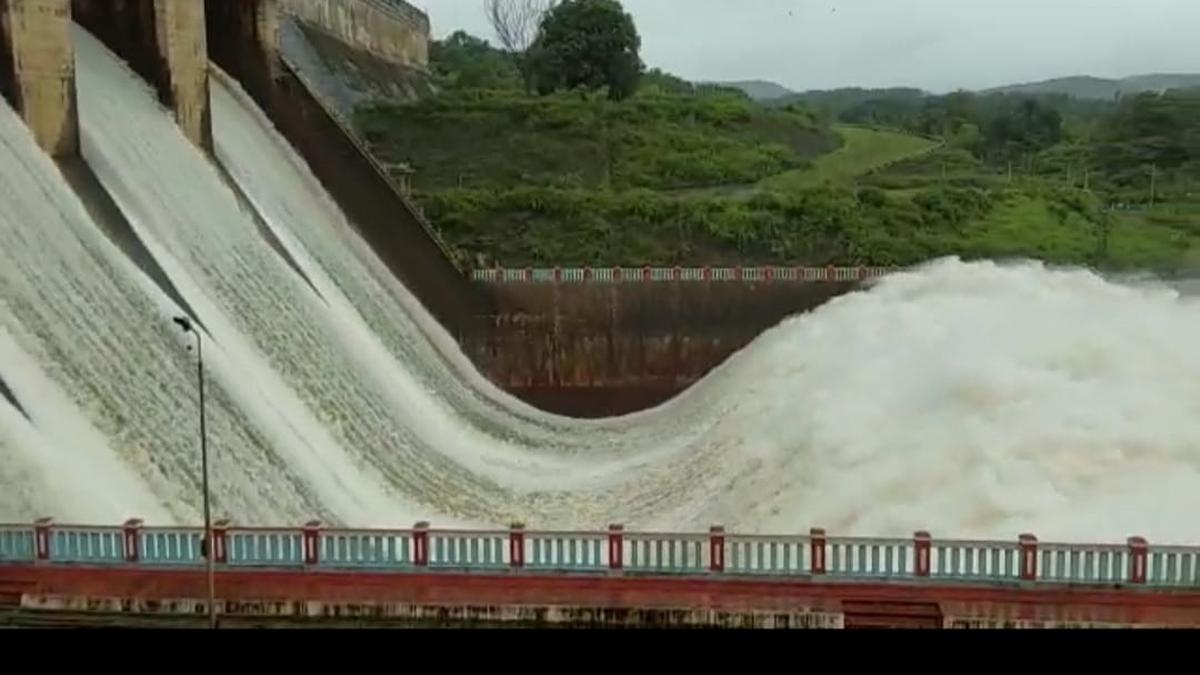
(582,350)
(389,29)
(601,349)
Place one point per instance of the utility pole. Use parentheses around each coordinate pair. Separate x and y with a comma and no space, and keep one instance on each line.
(186,324)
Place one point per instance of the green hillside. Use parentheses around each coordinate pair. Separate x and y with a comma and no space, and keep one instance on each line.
(863,151)
(759,90)
(506,140)
(686,174)
(1098,88)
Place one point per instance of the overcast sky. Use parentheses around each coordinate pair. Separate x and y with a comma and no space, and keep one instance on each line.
(938,45)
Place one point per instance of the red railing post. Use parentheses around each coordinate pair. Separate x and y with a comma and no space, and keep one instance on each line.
(558,275)
(770,272)
(922,550)
(133,540)
(817,543)
(647,274)
(220,543)
(41,537)
(738,274)
(677,273)
(516,545)
(616,274)
(716,549)
(616,546)
(587,273)
(1139,559)
(830,273)
(862,273)
(312,542)
(1029,545)
(707,273)
(420,543)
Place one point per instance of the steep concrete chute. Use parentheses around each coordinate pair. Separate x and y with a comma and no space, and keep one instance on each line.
(165,42)
(37,71)
(243,40)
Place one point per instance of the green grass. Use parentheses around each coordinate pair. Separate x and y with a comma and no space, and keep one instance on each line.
(1034,227)
(495,140)
(863,151)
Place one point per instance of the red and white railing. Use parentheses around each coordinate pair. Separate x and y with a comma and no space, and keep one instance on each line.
(815,555)
(576,275)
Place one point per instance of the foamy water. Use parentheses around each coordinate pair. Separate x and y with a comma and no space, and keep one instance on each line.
(974,400)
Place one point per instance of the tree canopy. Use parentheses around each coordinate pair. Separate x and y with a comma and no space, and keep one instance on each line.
(463,61)
(588,44)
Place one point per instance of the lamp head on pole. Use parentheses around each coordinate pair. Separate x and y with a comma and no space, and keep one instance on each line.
(184,323)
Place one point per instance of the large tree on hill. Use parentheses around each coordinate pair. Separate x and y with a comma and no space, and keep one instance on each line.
(516,23)
(590,44)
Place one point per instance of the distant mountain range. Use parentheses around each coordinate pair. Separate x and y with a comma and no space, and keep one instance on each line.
(759,90)
(1101,88)
(1082,87)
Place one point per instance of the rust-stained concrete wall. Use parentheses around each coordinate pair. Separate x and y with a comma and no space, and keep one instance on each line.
(390,29)
(597,349)
(326,613)
(165,42)
(37,70)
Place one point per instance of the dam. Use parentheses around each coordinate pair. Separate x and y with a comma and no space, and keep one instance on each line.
(158,160)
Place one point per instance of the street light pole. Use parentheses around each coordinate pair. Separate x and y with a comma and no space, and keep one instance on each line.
(186,325)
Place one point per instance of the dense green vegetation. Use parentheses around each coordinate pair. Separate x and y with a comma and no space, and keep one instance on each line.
(679,173)
(497,139)
(589,44)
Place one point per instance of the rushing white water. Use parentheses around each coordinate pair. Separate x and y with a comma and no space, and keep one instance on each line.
(970,399)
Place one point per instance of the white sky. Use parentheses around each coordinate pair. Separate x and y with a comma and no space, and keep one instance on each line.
(934,44)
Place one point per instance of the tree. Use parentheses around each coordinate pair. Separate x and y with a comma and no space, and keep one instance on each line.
(462,61)
(516,25)
(516,21)
(590,44)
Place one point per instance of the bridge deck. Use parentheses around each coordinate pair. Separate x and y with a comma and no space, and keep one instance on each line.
(589,600)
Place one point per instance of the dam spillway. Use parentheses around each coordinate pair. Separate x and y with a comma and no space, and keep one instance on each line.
(972,398)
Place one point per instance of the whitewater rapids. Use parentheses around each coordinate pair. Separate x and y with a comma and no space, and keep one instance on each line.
(970,399)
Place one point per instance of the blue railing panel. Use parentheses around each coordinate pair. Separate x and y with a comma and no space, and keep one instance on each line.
(88,545)
(368,550)
(566,552)
(1174,567)
(974,560)
(265,548)
(172,547)
(766,555)
(468,550)
(16,545)
(1082,564)
(666,553)
(869,558)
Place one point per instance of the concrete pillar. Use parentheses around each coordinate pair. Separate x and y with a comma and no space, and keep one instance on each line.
(179,30)
(266,27)
(37,70)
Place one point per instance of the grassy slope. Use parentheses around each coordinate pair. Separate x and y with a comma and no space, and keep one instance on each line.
(660,143)
(571,181)
(863,150)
